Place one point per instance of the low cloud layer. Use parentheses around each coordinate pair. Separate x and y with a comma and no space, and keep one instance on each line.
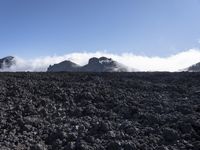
(175,62)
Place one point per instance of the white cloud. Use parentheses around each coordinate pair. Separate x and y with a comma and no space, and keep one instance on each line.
(175,62)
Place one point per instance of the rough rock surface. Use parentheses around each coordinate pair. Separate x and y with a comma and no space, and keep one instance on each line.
(99,111)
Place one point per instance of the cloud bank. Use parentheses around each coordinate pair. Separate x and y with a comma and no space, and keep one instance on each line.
(171,63)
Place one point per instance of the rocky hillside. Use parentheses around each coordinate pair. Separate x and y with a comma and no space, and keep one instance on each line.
(67,66)
(7,62)
(101,64)
(194,68)
(100,111)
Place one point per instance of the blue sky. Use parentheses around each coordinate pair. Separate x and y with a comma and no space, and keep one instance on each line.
(32,28)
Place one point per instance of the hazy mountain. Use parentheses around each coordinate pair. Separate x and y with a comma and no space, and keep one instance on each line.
(7,62)
(64,66)
(101,64)
(194,68)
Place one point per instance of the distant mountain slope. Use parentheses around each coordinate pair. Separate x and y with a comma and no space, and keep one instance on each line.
(194,68)
(7,62)
(101,64)
(64,66)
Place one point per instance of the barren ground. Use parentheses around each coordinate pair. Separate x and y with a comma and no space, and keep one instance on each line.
(113,111)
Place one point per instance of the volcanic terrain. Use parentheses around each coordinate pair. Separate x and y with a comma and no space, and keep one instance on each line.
(100,111)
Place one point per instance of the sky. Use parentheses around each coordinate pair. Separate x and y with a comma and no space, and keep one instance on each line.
(143,34)
(37,28)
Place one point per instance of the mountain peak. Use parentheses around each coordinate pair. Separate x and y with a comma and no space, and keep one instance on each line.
(8,58)
(63,66)
(93,60)
(101,60)
(102,64)
(7,62)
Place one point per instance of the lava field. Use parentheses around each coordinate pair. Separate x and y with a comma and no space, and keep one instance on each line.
(100,111)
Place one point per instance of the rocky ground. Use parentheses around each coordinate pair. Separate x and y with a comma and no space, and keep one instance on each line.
(97,111)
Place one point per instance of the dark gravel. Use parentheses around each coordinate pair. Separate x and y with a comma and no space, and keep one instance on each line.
(112,111)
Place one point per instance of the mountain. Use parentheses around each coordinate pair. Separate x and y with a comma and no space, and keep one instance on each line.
(7,62)
(101,64)
(67,66)
(194,68)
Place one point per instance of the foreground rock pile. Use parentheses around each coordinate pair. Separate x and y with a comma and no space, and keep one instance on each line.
(112,111)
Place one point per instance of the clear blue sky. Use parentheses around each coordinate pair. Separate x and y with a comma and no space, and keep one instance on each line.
(31,28)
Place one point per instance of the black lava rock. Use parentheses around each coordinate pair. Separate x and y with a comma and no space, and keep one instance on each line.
(170,135)
(87,111)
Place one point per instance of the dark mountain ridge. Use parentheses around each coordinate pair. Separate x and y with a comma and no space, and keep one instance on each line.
(194,68)
(63,66)
(7,62)
(101,64)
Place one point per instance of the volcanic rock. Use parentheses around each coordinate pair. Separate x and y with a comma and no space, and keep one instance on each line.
(170,135)
(99,111)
